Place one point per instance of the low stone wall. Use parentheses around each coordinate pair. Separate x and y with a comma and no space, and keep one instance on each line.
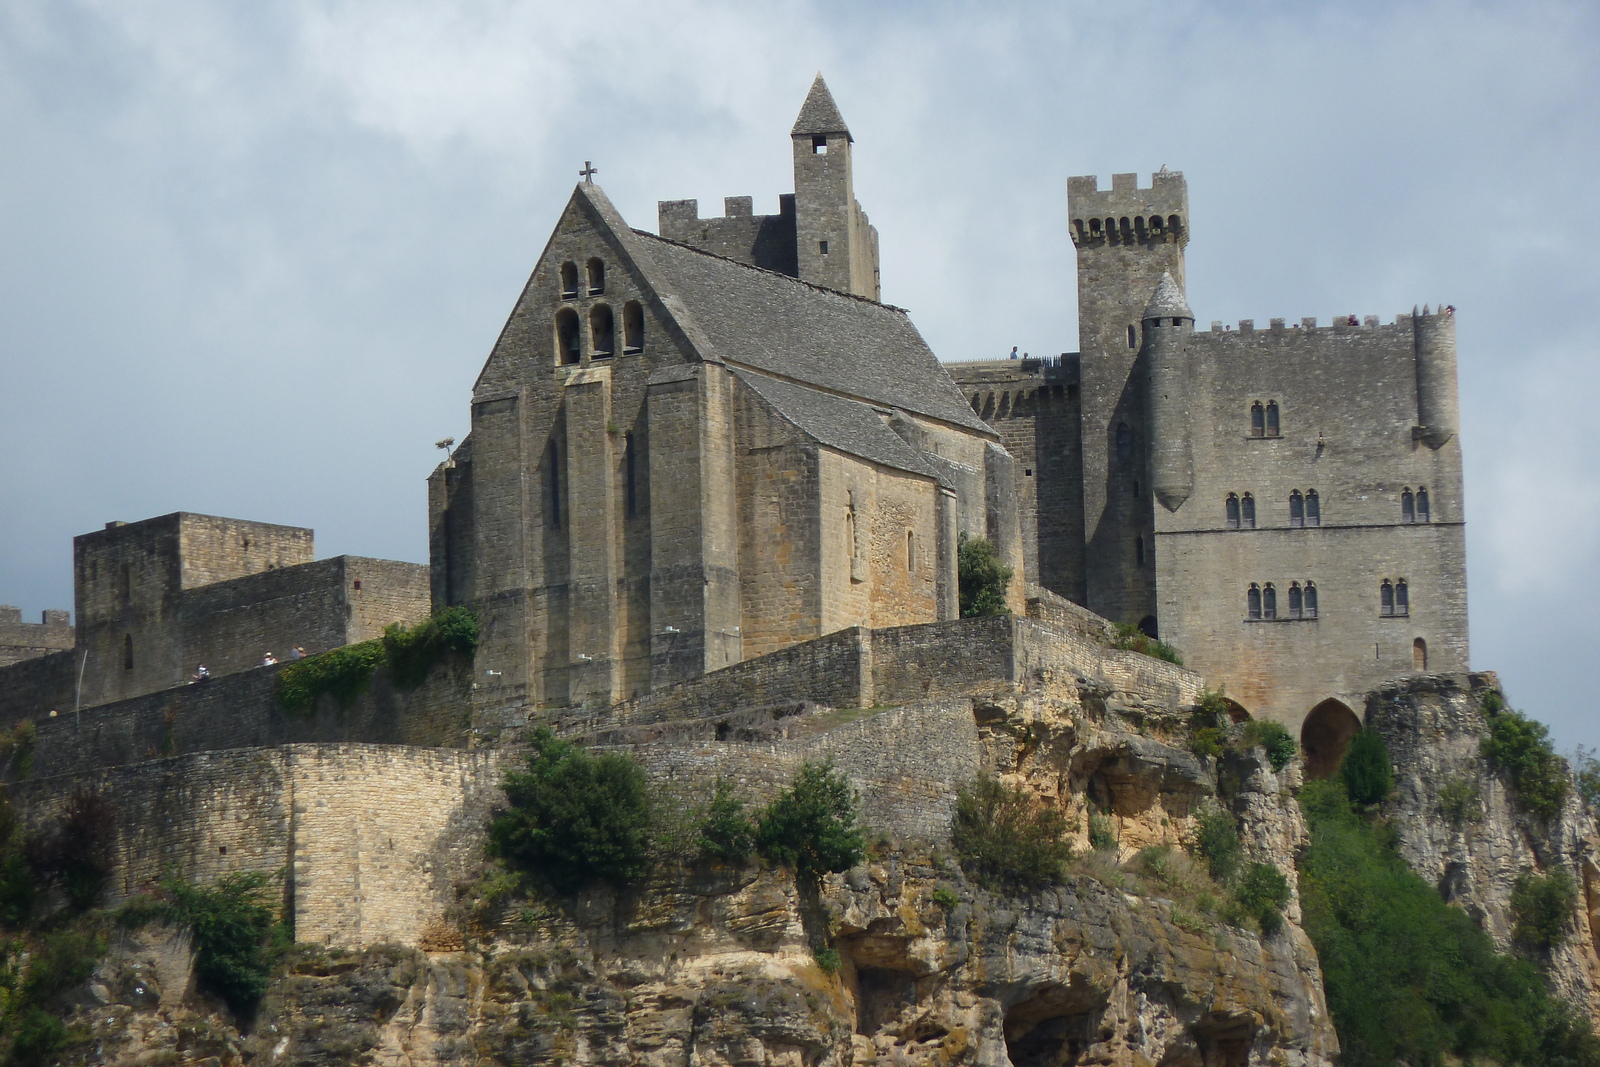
(36,685)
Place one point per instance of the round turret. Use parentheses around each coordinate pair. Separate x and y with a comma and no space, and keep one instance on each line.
(1168,322)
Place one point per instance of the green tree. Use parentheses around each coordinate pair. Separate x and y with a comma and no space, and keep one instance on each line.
(1542,907)
(1520,748)
(726,829)
(574,817)
(814,825)
(1218,842)
(1366,771)
(1007,838)
(983,578)
(1263,893)
(231,921)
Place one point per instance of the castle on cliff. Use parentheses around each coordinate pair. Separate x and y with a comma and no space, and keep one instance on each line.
(698,447)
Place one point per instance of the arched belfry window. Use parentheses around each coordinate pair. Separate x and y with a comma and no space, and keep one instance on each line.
(1231,511)
(1408,509)
(597,277)
(1247,512)
(127,652)
(1296,601)
(1423,514)
(1269,602)
(552,482)
(1313,508)
(1297,509)
(1258,420)
(1124,441)
(569,281)
(602,331)
(567,350)
(1386,598)
(1311,600)
(1402,597)
(632,327)
(1252,601)
(1272,418)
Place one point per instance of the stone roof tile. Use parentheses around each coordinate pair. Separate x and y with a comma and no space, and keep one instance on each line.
(847,425)
(819,114)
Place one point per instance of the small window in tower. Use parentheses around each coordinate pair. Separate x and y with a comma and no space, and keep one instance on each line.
(1272,418)
(1311,600)
(1408,510)
(1419,655)
(569,281)
(1402,597)
(1297,509)
(1094,227)
(819,144)
(911,552)
(630,477)
(1423,514)
(567,350)
(1138,550)
(1124,441)
(1313,508)
(127,652)
(822,246)
(552,475)
(1258,420)
(1155,225)
(1386,598)
(597,277)
(1247,510)
(1231,508)
(632,327)
(1027,472)
(1173,223)
(1269,602)
(1133,337)
(1296,601)
(602,331)
(125,583)
(1252,600)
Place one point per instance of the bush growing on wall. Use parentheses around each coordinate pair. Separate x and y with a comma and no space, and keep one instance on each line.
(76,855)
(1520,748)
(726,831)
(232,921)
(1132,639)
(1272,736)
(982,578)
(1542,907)
(344,673)
(814,825)
(1006,838)
(1367,773)
(412,653)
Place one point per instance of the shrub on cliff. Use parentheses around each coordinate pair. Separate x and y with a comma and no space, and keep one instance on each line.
(1007,838)
(1272,736)
(1520,748)
(75,855)
(814,825)
(232,922)
(1132,639)
(1218,841)
(410,654)
(1366,771)
(982,578)
(1262,894)
(1542,906)
(725,829)
(574,817)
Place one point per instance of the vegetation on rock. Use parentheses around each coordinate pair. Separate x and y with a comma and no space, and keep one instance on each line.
(1132,639)
(813,826)
(981,578)
(1007,838)
(1274,737)
(1542,906)
(233,923)
(410,654)
(1367,772)
(1520,748)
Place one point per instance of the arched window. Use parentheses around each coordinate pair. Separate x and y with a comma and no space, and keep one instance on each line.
(1124,441)
(1408,510)
(1269,602)
(1386,598)
(1258,420)
(1247,512)
(1133,337)
(852,544)
(569,281)
(1272,418)
(632,327)
(1297,509)
(1419,655)
(911,552)
(1423,514)
(1173,223)
(1296,600)
(1252,600)
(552,481)
(1402,598)
(597,277)
(1231,510)
(1094,227)
(602,331)
(1138,550)
(630,473)
(1311,601)
(127,652)
(567,336)
(1313,508)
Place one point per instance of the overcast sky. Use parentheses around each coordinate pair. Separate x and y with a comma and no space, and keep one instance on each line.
(253,255)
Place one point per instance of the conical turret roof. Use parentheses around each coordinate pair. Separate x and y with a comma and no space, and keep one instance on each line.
(1167,301)
(819,114)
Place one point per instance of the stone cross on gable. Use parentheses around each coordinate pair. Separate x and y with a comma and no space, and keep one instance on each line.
(588,172)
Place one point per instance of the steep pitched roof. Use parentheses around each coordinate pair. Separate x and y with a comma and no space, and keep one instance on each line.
(787,328)
(1167,300)
(819,114)
(847,425)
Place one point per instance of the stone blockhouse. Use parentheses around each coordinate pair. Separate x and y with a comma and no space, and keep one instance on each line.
(1283,505)
(157,598)
(681,459)
(28,640)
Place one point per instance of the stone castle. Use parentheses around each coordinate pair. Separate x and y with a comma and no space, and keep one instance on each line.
(694,449)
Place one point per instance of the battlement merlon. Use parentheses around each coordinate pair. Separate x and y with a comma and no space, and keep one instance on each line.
(679,220)
(1126,212)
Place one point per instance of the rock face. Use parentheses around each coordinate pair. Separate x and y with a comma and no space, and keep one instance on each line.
(1459,825)
(900,960)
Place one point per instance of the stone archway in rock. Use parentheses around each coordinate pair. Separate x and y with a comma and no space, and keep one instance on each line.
(1325,736)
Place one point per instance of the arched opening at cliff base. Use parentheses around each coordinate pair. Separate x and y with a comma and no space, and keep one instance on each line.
(1325,736)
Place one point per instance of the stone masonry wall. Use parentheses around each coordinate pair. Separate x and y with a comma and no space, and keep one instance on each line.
(29,640)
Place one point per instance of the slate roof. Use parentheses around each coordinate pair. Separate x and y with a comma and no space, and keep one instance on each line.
(1167,300)
(847,425)
(819,114)
(782,326)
